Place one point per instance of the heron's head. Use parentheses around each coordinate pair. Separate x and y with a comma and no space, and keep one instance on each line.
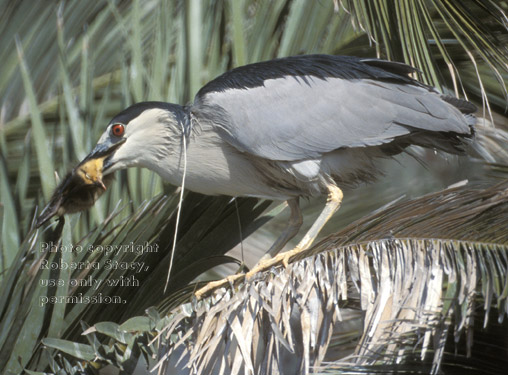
(141,135)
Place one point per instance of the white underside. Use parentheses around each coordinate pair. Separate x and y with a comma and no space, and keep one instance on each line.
(213,168)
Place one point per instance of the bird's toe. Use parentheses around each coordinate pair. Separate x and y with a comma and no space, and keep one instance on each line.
(214,285)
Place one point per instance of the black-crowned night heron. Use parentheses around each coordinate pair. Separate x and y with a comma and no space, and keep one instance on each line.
(288,128)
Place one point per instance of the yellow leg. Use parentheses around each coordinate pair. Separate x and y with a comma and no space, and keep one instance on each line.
(332,205)
(294,224)
(335,196)
(211,286)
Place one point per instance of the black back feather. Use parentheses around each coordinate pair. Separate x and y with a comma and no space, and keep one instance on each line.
(319,66)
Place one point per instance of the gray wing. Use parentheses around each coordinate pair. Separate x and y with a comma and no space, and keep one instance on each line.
(294,118)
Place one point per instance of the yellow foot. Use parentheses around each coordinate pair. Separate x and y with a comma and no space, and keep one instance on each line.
(262,266)
(211,286)
(265,264)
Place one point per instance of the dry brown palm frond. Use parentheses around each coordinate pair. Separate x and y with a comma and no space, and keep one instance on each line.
(408,287)
(414,272)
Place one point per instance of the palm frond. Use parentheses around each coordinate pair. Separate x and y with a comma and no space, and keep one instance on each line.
(114,265)
(428,32)
(410,290)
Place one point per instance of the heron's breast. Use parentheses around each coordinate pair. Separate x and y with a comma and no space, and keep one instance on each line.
(213,167)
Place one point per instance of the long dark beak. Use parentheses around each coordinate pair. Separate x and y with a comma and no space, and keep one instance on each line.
(104,151)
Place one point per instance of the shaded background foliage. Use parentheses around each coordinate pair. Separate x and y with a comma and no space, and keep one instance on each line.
(68,67)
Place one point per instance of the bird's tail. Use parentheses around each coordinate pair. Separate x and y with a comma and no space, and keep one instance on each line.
(489,142)
(485,140)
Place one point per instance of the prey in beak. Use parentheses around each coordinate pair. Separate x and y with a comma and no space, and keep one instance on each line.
(81,187)
(90,172)
(102,153)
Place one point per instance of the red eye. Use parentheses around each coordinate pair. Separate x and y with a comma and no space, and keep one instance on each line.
(118,130)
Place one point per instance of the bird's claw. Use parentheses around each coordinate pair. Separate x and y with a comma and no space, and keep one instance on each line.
(211,286)
(262,266)
(265,264)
